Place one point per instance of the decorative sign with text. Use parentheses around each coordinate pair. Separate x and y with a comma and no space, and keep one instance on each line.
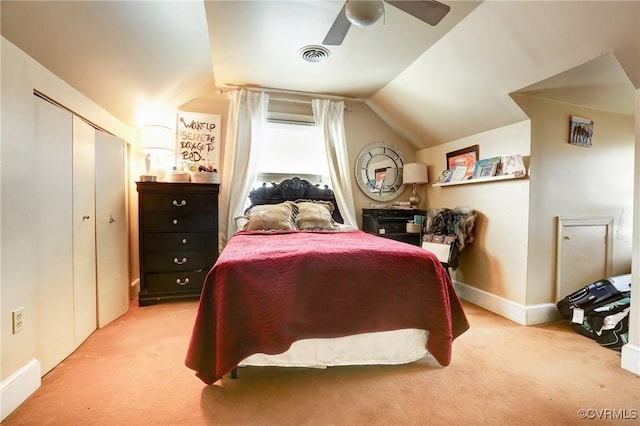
(198,141)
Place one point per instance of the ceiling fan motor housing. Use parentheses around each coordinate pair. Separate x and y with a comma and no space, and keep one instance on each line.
(364,12)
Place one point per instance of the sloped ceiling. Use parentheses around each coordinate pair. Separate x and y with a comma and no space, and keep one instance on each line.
(461,85)
(133,58)
(431,84)
(602,79)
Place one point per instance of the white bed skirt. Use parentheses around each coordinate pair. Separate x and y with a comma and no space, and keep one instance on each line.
(387,347)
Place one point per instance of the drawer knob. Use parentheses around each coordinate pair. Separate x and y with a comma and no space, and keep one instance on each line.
(185,282)
(174,221)
(184,241)
(179,262)
(179,204)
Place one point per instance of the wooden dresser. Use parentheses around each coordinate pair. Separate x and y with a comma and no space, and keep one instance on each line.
(178,237)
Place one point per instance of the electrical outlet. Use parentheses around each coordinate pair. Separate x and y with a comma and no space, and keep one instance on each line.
(18,320)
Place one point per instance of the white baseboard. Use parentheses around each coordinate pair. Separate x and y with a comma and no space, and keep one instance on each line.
(526,315)
(15,389)
(631,358)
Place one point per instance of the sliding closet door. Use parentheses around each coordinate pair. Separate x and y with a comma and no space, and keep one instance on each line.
(84,235)
(111,229)
(53,250)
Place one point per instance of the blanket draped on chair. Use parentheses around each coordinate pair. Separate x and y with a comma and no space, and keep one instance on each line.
(459,222)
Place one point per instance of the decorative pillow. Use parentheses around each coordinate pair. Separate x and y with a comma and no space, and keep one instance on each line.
(241,222)
(315,215)
(270,217)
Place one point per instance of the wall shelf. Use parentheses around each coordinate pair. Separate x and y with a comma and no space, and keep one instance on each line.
(480,180)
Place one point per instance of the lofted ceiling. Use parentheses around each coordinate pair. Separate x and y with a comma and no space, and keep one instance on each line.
(431,84)
(258,42)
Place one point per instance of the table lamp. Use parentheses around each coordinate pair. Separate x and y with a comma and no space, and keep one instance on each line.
(414,173)
(155,141)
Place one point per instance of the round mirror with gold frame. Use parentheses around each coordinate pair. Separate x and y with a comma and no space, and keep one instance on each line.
(379,171)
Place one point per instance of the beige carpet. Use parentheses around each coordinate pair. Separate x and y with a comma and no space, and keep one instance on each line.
(132,373)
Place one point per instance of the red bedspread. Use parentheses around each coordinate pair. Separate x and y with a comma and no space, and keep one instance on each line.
(268,290)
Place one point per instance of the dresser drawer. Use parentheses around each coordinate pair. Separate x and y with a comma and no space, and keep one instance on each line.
(176,281)
(178,202)
(179,222)
(393,227)
(391,213)
(171,261)
(181,241)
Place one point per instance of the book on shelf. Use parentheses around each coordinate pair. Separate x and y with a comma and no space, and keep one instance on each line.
(445,176)
(459,174)
(512,165)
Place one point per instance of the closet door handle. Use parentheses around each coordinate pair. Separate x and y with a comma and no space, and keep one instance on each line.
(85,218)
(179,262)
(185,282)
(179,204)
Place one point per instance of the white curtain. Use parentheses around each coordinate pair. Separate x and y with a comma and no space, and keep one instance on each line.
(330,117)
(247,115)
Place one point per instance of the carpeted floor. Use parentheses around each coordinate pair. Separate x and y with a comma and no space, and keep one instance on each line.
(132,373)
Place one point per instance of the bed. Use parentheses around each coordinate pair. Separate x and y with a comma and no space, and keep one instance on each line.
(295,288)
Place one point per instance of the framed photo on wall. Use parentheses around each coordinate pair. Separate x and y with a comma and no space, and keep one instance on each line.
(580,131)
(466,157)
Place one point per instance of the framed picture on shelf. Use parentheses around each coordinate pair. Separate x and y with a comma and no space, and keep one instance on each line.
(466,157)
(486,167)
(512,165)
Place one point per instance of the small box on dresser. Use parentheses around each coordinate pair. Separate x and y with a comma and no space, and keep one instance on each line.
(178,237)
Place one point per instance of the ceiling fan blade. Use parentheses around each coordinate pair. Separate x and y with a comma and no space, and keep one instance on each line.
(338,30)
(429,11)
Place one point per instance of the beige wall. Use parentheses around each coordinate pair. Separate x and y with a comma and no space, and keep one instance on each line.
(20,76)
(496,262)
(362,127)
(568,180)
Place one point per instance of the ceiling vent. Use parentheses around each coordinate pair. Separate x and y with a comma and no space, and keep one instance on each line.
(314,54)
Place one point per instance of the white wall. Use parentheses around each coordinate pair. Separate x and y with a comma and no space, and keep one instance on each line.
(631,351)
(21,75)
(569,180)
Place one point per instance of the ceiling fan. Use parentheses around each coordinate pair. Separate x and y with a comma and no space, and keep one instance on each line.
(364,13)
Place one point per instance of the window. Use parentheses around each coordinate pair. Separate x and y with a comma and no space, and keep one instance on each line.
(289,150)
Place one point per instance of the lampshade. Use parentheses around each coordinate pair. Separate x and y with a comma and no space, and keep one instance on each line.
(415,173)
(364,13)
(155,138)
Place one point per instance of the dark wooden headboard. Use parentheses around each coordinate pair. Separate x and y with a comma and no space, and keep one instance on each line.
(291,190)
